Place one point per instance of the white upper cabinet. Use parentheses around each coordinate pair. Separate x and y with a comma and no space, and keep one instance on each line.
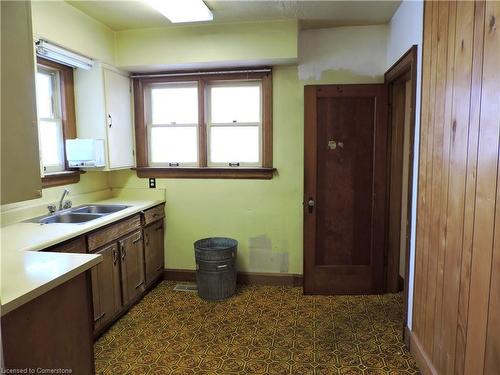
(20,158)
(119,114)
(103,101)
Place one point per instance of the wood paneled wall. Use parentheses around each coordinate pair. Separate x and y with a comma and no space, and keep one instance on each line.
(456,311)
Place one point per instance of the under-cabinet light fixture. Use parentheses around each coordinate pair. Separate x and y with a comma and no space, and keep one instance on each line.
(61,55)
(179,11)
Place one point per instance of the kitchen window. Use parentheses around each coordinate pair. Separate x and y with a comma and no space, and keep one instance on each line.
(49,119)
(211,125)
(56,120)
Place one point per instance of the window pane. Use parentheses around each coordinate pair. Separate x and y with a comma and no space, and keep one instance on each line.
(175,105)
(44,95)
(234,144)
(51,143)
(174,144)
(235,104)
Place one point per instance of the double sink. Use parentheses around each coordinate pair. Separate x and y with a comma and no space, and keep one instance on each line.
(78,215)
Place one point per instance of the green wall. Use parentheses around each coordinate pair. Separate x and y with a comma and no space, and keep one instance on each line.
(265,216)
(60,23)
(217,45)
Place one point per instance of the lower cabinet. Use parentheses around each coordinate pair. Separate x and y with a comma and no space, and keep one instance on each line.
(106,286)
(132,250)
(132,267)
(154,251)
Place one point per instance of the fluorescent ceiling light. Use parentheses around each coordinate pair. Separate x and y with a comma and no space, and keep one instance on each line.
(58,54)
(178,11)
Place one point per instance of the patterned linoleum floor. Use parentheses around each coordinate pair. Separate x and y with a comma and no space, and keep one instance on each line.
(261,330)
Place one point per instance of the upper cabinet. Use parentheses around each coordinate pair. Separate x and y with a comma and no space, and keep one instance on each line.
(20,160)
(103,100)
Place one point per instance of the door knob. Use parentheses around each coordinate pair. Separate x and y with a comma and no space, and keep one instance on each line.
(310,205)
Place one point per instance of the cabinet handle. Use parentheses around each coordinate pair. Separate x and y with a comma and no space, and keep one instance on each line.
(99,317)
(146,239)
(115,256)
(123,251)
(159,268)
(110,121)
(137,240)
(159,228)
(138,285)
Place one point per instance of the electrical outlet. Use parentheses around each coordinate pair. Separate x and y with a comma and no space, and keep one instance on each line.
(152,183)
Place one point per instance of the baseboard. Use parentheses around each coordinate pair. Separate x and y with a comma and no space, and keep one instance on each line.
(407,337)
(179,275)
(423,361)
(282,279)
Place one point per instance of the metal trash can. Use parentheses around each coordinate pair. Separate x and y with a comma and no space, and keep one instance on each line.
(216,267)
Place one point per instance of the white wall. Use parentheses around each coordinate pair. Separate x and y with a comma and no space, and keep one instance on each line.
(355,50)
(405,30)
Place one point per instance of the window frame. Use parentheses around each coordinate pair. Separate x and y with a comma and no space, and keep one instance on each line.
(210,124)
(150,125)
(203,170)
(56,117)
(68,121)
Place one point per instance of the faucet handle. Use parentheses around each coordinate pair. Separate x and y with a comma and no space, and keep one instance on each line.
(67,204)
(52,208)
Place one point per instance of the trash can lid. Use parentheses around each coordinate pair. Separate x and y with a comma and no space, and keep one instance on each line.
(215,243)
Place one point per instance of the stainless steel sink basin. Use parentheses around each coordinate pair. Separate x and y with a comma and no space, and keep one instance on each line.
(81,214)
(100,208)
(69,218)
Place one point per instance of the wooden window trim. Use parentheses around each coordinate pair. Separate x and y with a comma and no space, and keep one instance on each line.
(203,171)
(68,117)
(61,178)
(206,172)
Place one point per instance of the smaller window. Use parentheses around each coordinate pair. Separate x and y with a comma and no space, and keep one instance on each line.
(234,123)
(172,123)
(56,120)
(50,119)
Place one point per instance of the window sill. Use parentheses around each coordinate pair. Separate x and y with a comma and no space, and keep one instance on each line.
(216,173)
(61,178)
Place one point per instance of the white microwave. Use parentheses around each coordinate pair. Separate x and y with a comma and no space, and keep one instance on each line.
(85,153)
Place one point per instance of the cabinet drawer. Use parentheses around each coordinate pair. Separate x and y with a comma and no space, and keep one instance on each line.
(154,214)
(112,232)
(75,245)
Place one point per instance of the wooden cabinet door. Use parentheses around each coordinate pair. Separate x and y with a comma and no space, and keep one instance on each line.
(119,120)
(106,294)
(132,266)
(154,250)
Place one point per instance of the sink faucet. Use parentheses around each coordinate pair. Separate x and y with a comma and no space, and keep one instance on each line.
(65,192)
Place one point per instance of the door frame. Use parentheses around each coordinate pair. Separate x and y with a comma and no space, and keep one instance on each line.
(407,64)
(311,93)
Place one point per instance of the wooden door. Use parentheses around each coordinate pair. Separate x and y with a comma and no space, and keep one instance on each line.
(132,266)
(106,290)
(154,250)
(344,192)
(119,119)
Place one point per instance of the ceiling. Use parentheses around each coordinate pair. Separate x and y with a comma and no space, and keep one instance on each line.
(134,14)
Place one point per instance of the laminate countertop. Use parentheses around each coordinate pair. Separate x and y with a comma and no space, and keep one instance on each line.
(27,273)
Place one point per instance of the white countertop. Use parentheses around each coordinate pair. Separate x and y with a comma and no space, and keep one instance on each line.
(27,274)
